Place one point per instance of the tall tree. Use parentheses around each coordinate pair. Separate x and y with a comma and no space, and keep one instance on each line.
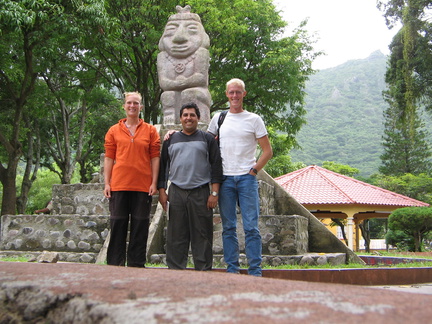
(406,149)
(25,27)
(405,146)
(76,103)
(415,18)
(280,163)
(30,32)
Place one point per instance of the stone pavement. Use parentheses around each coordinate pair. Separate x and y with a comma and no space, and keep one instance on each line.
(89,293)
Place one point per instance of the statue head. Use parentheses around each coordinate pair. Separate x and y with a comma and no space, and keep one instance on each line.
(183,34)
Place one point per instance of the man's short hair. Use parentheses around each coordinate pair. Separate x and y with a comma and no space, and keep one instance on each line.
(237,82)
(191,105)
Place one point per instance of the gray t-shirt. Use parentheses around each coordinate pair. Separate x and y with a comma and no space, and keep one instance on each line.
(190,161)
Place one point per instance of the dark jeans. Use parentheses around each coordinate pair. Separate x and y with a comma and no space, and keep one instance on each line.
(190,222)
(136,206)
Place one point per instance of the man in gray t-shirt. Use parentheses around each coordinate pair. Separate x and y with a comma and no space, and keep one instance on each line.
(191,161)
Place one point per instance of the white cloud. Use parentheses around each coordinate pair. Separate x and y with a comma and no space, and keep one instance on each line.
(345,29)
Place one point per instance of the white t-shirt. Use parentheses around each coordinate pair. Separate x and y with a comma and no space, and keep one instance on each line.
(239,136)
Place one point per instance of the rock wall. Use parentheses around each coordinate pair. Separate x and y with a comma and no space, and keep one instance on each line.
(79,199)
(78,238)
(280,235)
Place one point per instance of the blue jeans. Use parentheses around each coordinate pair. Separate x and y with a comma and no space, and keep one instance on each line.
(244,190)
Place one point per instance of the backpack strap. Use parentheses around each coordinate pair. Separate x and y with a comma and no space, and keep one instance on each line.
(220,122)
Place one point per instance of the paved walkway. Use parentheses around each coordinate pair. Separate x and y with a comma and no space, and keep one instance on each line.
(88,293)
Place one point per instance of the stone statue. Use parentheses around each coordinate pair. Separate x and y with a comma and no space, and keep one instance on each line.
(183,64)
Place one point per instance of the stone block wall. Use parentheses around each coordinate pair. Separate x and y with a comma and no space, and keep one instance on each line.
(69,234)
(284,235)
(280,235)
(80,199)
(267,200)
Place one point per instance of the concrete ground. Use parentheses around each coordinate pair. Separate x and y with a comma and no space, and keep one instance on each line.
(89,293)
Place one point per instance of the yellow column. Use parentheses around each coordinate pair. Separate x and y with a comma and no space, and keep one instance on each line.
(350,221)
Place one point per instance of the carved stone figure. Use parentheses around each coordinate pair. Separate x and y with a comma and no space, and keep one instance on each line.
(183,64)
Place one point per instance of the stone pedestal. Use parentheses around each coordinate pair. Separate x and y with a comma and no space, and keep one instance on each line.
(280,235)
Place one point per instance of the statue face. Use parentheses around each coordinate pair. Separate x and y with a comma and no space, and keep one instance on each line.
(182,38)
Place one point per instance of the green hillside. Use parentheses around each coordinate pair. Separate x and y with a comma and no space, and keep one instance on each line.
(345,115)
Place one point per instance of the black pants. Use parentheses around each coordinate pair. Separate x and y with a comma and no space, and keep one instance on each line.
(136,206)
(190,222)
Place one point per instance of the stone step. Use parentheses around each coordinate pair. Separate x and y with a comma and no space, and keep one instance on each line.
(75,257)
(64,233)
(218,262)
(271,260)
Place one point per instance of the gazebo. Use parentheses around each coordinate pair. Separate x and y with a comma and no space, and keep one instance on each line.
(328,194)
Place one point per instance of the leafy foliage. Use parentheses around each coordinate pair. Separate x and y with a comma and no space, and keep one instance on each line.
(413,221)
(281,162)
(415,186)
(406,149)
(417,45)
(340,168)
(246,42)
(41,191)
(377,228)
(62,61)
(400,240)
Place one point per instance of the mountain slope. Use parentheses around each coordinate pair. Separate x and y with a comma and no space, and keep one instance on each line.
(345,115)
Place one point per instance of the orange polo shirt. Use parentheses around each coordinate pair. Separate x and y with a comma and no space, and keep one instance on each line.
(132,155)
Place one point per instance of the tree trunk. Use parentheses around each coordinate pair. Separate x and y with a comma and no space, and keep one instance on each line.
(342,226)
(417,242)
(9,191)
(32,164)
(365,234)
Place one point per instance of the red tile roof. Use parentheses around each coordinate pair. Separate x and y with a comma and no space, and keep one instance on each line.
(316,185)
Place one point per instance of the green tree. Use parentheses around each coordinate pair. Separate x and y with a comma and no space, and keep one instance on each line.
(247,42)
(41,190)
(414,15)
(377,227)
(340,168)
(80,110)
(415,222)
(281,163)
(31,32)
(31,147)
(406,149)
(25,27)
(400,240)
(414,186)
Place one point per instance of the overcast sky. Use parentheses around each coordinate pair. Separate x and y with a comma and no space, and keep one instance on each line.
(346,29)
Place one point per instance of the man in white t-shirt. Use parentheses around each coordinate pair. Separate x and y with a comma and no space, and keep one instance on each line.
(239,134)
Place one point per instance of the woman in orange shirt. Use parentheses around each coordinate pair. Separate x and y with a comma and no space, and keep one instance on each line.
(131,167)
